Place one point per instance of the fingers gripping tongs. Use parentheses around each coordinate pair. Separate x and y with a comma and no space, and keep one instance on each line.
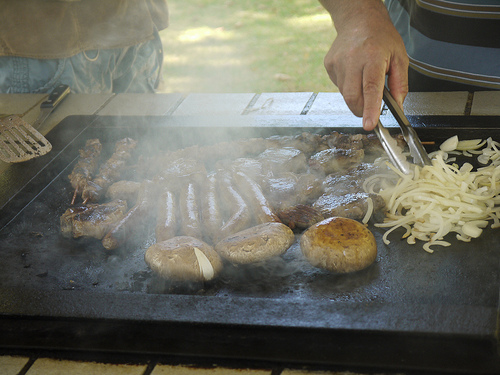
(390,145)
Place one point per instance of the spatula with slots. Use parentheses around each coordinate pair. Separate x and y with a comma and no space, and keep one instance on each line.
(19,141)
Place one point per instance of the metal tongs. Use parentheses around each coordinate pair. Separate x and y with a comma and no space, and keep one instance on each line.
(417,151)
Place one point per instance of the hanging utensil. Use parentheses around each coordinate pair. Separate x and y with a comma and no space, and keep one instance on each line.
(20,141)
(56,96)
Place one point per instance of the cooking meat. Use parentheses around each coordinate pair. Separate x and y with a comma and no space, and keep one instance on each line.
(250,166)
(211,215)
(167,216)
(306,142)
(92,220)
(281,190)
(233,149)
(289,189)
(179,171)
(209,154)
(300,216)
(110,171)
(136,220)
(87,165)
(285,159)
(252,193)
(345,141)
(350,181)
(309,188)
(335,159)
(340,184)
(373,148)
(189,212)
(256,180)
(353,206)
(236,213)
(126,190)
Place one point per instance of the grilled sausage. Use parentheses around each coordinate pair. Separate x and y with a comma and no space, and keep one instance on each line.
(136,219)
(110,171)
(166,219)
(126,190)
(254,197)
(189,213)
(239,216)
(210,210)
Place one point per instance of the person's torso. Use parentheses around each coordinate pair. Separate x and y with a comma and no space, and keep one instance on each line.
(62,28)
(452,40)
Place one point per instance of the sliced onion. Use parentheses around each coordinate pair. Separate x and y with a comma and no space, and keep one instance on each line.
(434,201)
(369,211)
(206,268)
(473,228)
(472,144)
(450,144)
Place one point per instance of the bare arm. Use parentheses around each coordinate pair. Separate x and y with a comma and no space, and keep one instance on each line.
(367,48)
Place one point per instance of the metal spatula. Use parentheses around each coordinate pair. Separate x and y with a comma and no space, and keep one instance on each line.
(19,141)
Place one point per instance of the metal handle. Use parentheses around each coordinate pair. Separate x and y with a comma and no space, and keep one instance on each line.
(393,150)
(55,97)
(417,151)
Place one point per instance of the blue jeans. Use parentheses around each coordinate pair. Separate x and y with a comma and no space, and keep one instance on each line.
(131,69)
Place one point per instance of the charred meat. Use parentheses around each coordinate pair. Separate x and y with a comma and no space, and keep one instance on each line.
(352,206)
(300,216)
(335,160)
(345,141)
(92,220)
(86,166)
(289,189)
(351,180)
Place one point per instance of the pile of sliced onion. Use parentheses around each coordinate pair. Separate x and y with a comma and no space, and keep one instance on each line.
(434,201)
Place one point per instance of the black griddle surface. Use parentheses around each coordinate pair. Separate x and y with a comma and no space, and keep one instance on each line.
(409,310)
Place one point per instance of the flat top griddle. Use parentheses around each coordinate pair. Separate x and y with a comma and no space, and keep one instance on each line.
(409,310)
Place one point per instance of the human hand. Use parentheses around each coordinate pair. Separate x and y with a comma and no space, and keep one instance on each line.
(367,49)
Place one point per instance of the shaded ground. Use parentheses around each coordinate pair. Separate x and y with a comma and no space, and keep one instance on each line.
(246,46)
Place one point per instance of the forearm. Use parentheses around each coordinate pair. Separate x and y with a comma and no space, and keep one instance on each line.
(346,12)
(366,51)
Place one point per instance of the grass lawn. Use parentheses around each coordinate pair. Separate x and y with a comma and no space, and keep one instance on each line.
(246,46)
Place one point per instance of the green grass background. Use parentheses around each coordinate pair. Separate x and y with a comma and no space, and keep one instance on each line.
(246,46)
